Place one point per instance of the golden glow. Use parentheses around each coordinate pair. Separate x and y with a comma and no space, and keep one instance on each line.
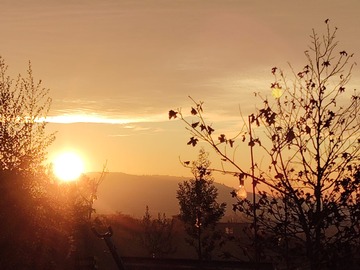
(79,118)
(68,166)
(241,192)
(276,92)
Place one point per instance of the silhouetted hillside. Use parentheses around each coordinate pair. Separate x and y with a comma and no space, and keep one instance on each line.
(129,194)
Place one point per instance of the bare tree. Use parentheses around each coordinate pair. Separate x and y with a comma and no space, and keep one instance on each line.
(309,143)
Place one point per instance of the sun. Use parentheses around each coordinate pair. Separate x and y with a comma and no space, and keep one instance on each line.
(68,166)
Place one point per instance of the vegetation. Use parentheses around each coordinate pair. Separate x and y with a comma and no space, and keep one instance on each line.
(158,234)
(23,209)
(41,219)
(24,107)
(308,208)
(199,209)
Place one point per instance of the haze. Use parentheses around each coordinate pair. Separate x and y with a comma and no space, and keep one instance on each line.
(115,68)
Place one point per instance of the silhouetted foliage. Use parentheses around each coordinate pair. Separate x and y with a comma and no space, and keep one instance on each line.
(25,230)
(157,235)
(24,107)
(199,209)
(308,208)
(40,217)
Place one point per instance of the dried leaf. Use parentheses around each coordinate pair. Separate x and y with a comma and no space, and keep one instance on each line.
(251,143)
(193,141)
(343,53)
(222,138)
(231,142)
(194,125)
(290,135)
(172,114)
(210,130)
(326,63)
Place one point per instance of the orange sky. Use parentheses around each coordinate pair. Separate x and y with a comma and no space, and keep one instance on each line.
(120,66)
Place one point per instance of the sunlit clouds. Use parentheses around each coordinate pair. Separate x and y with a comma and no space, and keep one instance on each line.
(83,118)
(115,68)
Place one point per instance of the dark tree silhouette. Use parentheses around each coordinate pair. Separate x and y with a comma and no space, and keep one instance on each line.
(158,234)
(23,111)
(39,216)
(199,209)
(308,209)
(24,105)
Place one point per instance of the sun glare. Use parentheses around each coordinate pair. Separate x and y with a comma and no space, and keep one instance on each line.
(68,166)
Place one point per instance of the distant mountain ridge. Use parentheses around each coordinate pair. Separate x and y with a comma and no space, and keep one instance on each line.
(130,194)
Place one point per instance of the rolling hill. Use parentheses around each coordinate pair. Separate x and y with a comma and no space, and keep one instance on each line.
(130,194)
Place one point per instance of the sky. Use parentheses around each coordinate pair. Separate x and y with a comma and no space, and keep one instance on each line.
(115,68)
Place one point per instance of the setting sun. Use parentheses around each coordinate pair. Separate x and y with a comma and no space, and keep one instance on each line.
(68,166)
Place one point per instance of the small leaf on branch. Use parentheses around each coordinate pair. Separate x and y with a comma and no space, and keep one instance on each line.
(343,53)
(193,111)
(193,141)
(275,85)
(231,142)
(172,114)
(222,138)
(251,143)
(210,130)
(186,162)
(273,70)
(202,127)
(194,125)
(326,63)
(290,135)
(257,141)
(307,129)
